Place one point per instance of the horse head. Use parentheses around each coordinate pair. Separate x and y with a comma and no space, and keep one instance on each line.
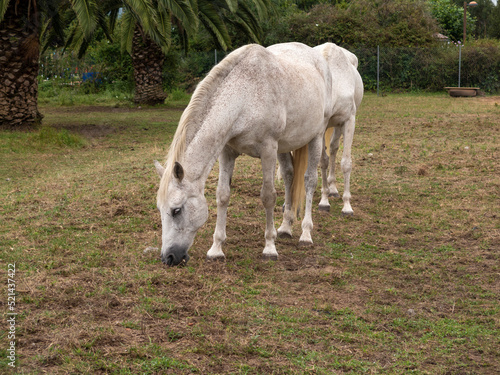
(183,211)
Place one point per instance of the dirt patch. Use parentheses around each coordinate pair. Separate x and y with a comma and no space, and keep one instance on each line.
(116,109)
(495,100)
(89,131)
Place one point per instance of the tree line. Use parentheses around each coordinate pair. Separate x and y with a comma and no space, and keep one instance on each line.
(144,39)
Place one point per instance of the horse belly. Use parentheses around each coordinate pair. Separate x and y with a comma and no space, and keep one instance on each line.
(305,121)
(300,135)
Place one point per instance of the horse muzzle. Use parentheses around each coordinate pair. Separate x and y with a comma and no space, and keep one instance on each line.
(175,255)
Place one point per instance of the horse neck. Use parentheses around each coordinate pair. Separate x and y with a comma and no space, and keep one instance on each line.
(204,149)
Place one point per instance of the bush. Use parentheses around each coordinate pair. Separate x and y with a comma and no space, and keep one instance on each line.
(184,71)
(432,68)
(361,22)
(481,65)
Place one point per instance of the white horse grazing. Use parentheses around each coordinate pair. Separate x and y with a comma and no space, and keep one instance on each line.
(264,102)
(348,91)
(343,121)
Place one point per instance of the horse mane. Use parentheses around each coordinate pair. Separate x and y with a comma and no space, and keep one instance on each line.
(192,117)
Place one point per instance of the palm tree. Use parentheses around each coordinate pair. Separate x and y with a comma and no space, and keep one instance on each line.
(146,34)
(148,51)
(22,24)
(148,38)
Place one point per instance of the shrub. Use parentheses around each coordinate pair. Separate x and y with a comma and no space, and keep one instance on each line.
(432,68)
(391,23)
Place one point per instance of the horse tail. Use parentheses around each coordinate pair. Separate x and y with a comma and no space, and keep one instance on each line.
(328,137)
(299,159)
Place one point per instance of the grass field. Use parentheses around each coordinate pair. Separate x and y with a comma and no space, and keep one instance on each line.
(409,285)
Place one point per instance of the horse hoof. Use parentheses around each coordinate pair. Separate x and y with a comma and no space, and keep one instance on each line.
(334,195)
(270,257)
(284,235)
(324,208)
(347,214)
(216,259)
(305,243)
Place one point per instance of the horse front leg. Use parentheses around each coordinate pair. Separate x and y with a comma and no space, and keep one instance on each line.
(311,181)
(334,147)
(346,164)
(226,167)
(268,195)
(286,168)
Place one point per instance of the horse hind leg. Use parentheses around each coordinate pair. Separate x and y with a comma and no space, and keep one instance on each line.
(334,147)
(268,196)
(311,180)
(286,169)
(346,165)
(324,204)
(226,167)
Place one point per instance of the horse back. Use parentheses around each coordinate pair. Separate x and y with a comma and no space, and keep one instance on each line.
(347,85)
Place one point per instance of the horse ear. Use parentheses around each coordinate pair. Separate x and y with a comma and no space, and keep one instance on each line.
(159,168)
(178,171)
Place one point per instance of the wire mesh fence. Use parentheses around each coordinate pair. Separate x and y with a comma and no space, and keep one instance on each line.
(386,68)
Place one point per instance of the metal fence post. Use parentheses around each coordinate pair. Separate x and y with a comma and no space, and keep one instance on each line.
(459,62)
(378,69)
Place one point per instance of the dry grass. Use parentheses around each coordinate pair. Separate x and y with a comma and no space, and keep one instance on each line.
(410,284)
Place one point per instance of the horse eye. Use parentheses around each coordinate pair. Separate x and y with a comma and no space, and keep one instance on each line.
(176,211)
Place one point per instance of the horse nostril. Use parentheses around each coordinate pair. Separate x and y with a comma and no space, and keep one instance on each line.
(170,260)
(175,255)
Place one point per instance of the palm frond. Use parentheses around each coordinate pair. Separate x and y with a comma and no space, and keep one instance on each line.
(74,38)
(103,24)
(182,10)
(113,17)
(148,17)
(165,29)
(86,13)
(85,43)
(58,24)
(232,5)
(144,13)
(264,7)
(53,30)
(127,33)
(3,8)
(213,23)
(247,21)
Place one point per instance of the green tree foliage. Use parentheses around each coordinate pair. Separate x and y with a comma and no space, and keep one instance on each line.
(359,22)
(450,19)
(228,24)
(493,26)
(487,16)
(481,15)
(156,19)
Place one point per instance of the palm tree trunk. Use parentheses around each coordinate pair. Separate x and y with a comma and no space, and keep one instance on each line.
(19,54)
(147,60)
